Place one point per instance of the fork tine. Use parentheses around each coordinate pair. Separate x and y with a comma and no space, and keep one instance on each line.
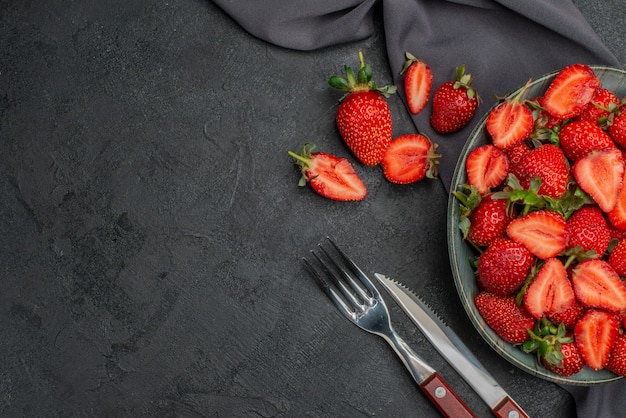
(357,271)
(334,275)
(326,287)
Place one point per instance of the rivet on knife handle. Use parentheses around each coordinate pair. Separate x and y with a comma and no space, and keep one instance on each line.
(508,409)
(444,398)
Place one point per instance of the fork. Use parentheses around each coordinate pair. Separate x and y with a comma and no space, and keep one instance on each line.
(357,299)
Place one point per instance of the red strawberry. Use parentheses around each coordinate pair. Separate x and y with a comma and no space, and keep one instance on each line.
(617,128)
(543,119)
(571,363)
(550,291)
(579,138)
(600,106)
(588,229)
(418,80)
(503,267)
(454,103)
(617,216)
(543,232)
(510,321)
(330,176)
(517,152)
(549,164)
(617,359)
(510,122)
(617,257)
(570,91)
(410,158)
(569,316)
(600,174)
(489,220)
(487,167)
(363,117)
(595,335)
(597,285)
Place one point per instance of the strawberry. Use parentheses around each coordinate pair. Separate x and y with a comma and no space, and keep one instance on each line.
(571,362)
(597,285)
(328,175)
(363,117)
(595,335)
(503,267)
(502,314)
(617,359)
(418,80)
(543,232)
(549,164)
(617,257)
(600,174)
(587,228)
(617,216)
(579,138)
(487,167)
(489,220)
(454,103)
(599,109)
(617,128)
(570,91)
(569,316)
(550,291)
(510,122)
(517,152)
(410,158)
(543,119)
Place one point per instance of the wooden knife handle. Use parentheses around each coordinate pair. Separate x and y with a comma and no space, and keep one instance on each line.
(444,398)
(507,408)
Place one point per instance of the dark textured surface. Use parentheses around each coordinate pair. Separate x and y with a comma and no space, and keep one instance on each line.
(152,224)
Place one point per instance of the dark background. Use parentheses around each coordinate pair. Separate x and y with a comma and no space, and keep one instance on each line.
(152,226)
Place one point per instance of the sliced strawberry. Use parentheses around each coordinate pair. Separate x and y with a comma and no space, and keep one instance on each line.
(543,232)
(570,91)
(328,175)
(597,285)
(595,335)
(617,216)
(601,175)
(588,229)
(503,267)
(617,257)
(550,290)
(510,122)
(617,359)
(418,81)
(579,138)
(510,321)
(410,158)
(487,167)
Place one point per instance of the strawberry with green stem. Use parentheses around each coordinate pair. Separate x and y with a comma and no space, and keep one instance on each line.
(511,121)
(454,103)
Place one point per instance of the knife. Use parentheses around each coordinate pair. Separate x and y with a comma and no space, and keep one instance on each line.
(453,350)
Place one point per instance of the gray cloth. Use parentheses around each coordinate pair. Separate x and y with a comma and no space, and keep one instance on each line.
(501,43)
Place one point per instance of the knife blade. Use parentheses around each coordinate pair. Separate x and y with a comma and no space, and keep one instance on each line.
(450,346)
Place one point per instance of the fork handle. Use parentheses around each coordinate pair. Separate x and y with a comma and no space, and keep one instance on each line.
(429,381)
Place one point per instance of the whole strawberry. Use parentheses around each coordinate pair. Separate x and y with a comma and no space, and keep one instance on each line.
(505,317)
(587,228)
(503,267)
(549,164)
(363,117)
(617,257)
(489,220)
(454,103)
(617,360)
(579,138)
(617,127)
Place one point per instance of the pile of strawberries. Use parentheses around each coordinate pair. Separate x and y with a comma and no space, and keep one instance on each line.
(364,123)
(545,207)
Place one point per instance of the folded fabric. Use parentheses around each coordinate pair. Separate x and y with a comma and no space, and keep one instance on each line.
(502,44)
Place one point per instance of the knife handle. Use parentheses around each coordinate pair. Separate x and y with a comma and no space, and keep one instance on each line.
(507,408)
(444,398)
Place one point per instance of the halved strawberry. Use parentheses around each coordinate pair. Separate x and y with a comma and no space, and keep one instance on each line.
(510,321)
(410,158)
(588,229)
(597,285)
(617,257)
(601,175)
(595,335)
(550,291)
(487,166)
(617,359)
(543,232)
(617,216)
(418,80)
(510,122)
(579,138)
(503,267)
(570,91)
(549,164)
(328,175)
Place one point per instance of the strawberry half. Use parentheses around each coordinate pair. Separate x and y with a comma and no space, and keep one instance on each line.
(503,267)
(549,164)
(550,291)
(487,166)
(617,257)
(595,334)
(328,175)
(510,122)
(454,103)
(410,158)
(570,91)
(597,285)
(418,80)
(510,321)
(579,138)
(543,232)
(601,175)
